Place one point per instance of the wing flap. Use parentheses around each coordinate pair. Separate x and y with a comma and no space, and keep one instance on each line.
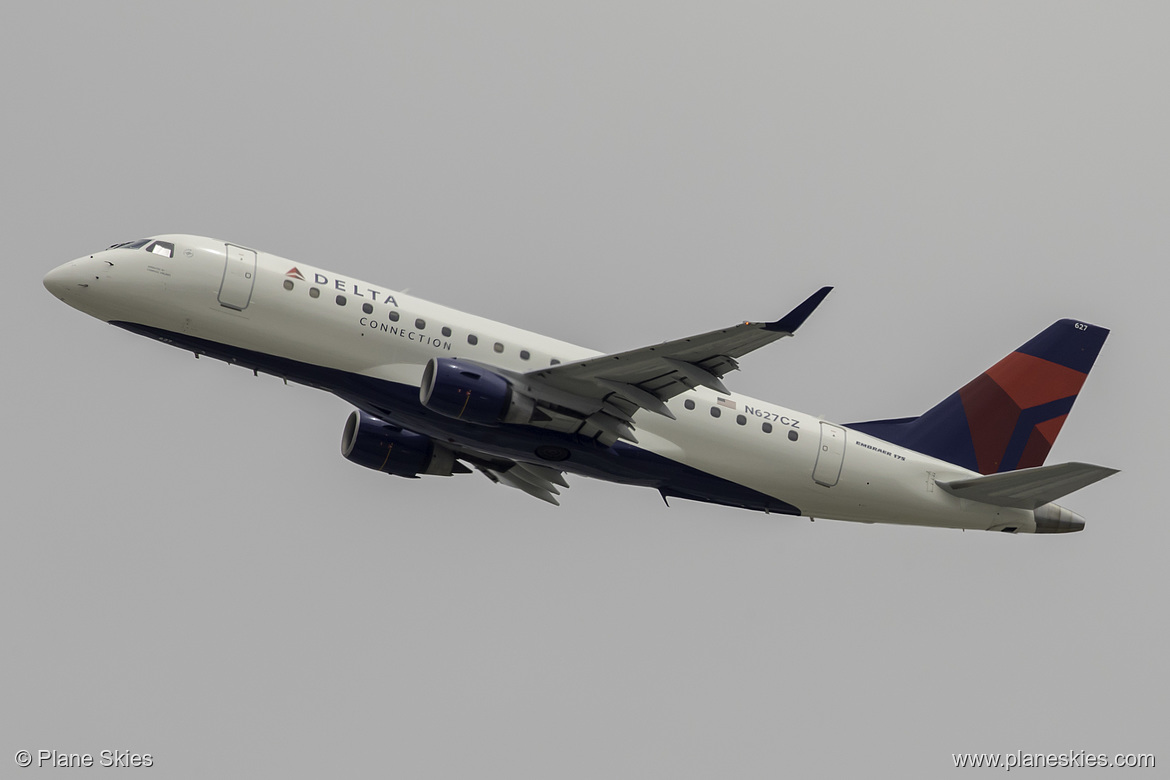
(534,479)
(527,480)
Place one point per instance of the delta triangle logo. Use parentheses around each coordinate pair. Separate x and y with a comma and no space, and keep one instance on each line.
(295,274)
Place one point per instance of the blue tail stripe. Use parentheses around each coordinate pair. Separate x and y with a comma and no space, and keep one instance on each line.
(1029,419)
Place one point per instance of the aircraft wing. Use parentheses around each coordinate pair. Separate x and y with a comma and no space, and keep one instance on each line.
(607,390)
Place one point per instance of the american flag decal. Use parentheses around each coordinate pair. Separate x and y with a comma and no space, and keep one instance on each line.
(726,403)
(294,273)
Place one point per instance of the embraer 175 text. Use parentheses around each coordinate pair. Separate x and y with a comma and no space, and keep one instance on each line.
(438,391)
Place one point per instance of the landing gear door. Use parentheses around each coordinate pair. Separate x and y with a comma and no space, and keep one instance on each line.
(830,455)
(239,274)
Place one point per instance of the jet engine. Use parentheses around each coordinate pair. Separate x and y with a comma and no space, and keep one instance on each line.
(466,391)
(378,445)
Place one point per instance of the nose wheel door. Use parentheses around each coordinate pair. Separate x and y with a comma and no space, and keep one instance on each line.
(239,274)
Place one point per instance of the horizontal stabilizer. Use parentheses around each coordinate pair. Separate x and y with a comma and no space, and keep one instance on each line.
(1027,488)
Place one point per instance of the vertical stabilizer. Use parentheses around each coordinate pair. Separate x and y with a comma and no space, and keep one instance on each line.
(1008,417)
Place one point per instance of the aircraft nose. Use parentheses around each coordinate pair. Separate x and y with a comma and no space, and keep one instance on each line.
(60,280)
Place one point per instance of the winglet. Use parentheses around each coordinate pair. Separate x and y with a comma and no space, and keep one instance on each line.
(795,318)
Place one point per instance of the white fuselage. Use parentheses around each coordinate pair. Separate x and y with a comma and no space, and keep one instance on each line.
(371,331)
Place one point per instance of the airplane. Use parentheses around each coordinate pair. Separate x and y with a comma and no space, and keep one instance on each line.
(439,392)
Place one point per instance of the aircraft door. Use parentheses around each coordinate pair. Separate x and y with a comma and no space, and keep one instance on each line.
(239,274)
(830,455)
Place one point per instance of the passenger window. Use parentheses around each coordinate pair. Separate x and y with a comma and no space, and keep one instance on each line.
(714,411)
(288,284)
(314,292)
(740,419)
(393,315)
(368,308)
(446,331)
(472,339)
(689,404)
(420,323)
(498,347)
(793,436)
(524,355)
(767,427)
(340,300)
(554,362)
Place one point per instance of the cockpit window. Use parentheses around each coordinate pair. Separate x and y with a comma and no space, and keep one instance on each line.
(131,244)
(164,248)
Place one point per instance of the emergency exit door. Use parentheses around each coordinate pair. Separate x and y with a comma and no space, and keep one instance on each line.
(239,274)
(832,451)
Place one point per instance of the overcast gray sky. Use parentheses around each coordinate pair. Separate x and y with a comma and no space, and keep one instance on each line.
(191,570)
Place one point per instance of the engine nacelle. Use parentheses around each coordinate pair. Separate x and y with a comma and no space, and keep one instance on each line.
(375,444)
(466,391)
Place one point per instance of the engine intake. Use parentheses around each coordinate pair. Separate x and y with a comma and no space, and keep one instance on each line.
(466,391)
(378,445)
